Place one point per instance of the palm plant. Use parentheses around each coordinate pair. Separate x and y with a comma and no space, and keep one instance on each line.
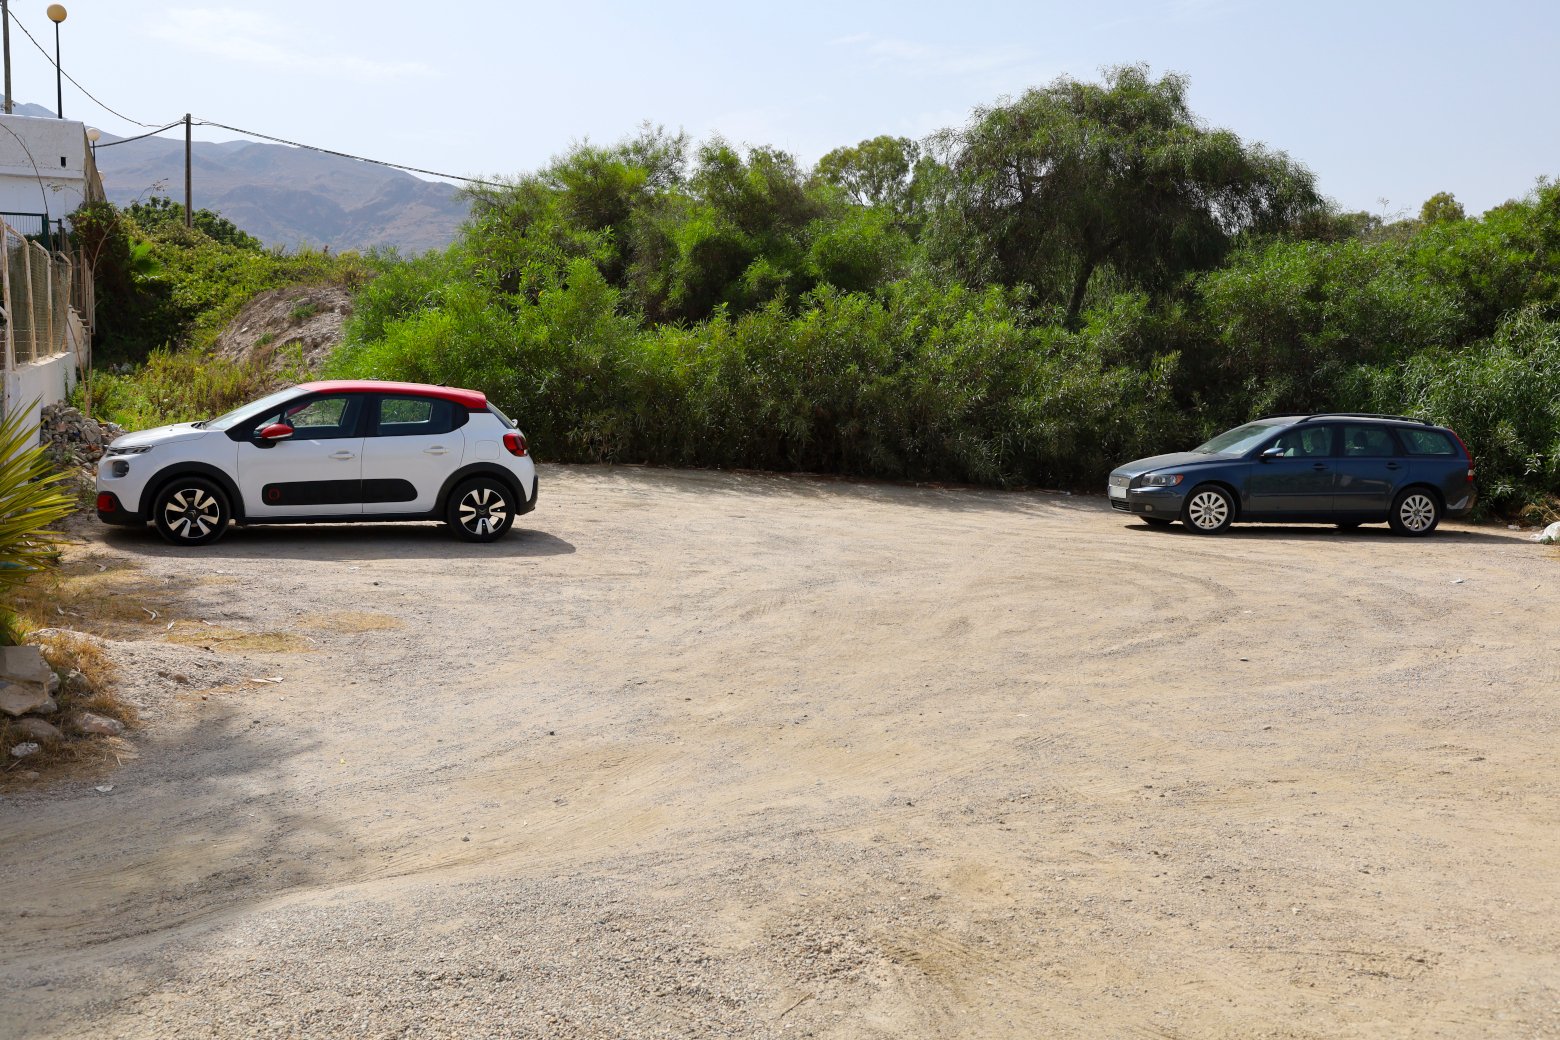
(31,498)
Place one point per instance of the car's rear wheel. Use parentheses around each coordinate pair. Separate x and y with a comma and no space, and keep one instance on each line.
(191,511)
(481,510)
(1415,512)
(1209,510)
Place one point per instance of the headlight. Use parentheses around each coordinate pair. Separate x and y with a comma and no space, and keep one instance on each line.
(1162,480)
(129,451)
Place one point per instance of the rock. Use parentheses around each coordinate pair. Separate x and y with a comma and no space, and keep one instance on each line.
(48,707)
(37,729)
(24,664)
(24,749)
(21,698)
(52,685)
(96,725)
(77,683)
(1551,535)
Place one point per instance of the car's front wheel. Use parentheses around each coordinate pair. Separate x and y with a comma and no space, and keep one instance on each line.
(1415,512)
(191,511)
(1209,510)
(481,510)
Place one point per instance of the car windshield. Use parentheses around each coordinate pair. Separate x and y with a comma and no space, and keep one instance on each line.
(250,411)
(1237,441)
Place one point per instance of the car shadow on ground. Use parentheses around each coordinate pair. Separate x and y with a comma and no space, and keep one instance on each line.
(345,542)
(1325,533)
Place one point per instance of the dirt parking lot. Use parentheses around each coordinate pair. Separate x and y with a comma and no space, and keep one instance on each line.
(701,754)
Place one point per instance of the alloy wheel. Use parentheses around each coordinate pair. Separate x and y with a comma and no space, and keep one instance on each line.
(192,513)
(1208,510)
(483,511)
(1417,513)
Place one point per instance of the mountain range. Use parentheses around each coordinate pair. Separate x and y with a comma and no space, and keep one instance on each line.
(284,196)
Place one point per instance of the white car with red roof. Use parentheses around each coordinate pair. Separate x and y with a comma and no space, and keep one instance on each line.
(325,452)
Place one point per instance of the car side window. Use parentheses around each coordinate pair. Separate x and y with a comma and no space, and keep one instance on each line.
(321,419)
(1427,442)
(1367,442)
(1306,441)
(414,417)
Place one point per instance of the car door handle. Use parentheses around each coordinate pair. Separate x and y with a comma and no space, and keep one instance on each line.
(1319,466)
(344,455)
(1393,465)
(436,450)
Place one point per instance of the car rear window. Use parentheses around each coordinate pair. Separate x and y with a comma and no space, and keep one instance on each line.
(1426,442)
(413,416)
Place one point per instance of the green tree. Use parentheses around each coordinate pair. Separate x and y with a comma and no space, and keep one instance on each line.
(1050,188)
(160,211)
(876,172)
(1441,208)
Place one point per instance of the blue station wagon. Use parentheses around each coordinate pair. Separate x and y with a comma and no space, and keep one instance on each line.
(1342,468)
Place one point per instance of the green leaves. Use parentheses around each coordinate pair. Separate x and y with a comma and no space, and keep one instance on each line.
(31,498)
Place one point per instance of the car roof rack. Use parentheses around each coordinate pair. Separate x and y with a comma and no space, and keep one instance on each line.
(1364,415)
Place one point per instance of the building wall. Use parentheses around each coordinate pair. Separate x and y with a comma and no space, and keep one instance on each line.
(64,177)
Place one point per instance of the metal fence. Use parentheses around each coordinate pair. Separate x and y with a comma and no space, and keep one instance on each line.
(37,292)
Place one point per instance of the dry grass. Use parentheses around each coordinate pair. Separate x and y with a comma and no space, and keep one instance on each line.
(111,598)
(350,622)
(203,634)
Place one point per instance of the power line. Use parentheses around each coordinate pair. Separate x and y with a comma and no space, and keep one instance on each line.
(42,50)
(342,155)
(139,137)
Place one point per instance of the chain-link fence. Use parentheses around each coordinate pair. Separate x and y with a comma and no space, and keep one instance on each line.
(37,290)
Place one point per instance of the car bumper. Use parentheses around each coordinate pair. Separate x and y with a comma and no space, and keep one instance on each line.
(111,510)
(1463,506)
(1148,501)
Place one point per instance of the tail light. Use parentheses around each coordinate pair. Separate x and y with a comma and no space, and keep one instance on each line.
(515,443)
(107,503)
(1466,453)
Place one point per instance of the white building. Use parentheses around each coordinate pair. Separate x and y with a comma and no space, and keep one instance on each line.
(46,173)
(46,167)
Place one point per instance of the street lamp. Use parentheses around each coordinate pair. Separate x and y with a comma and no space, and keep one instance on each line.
(93,133)
(56,15)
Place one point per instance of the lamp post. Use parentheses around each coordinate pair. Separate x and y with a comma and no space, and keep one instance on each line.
(93,133)
(56,15)
(5,29)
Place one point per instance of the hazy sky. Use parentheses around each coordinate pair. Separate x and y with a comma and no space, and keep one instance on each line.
(1389,100)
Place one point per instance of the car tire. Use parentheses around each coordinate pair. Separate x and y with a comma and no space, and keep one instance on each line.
(1415,512)
(190,511)
(481,510)
(1156,521)
(1209,509)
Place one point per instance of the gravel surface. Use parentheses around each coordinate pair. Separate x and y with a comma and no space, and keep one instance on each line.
(711,755)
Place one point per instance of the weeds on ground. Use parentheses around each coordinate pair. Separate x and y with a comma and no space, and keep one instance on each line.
(183,386)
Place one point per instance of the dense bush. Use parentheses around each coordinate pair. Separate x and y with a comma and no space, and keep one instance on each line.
(1081,275)
(164,285)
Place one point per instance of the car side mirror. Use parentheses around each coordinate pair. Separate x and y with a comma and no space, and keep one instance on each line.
(267,436)
(1272,453)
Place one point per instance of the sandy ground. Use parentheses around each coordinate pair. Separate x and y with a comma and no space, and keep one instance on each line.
(700,754)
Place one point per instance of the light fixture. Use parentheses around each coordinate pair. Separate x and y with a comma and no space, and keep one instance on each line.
(56,13)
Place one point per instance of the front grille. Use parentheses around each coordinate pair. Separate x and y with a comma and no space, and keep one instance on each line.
(1121,504)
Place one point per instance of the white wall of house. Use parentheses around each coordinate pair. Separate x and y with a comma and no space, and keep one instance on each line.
(44,166)
(29,387)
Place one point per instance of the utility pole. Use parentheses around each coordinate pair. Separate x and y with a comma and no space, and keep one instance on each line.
(5,16)
(189,186)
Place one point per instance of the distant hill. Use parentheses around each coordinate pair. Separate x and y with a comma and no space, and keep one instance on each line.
(289,196)
(285,196)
